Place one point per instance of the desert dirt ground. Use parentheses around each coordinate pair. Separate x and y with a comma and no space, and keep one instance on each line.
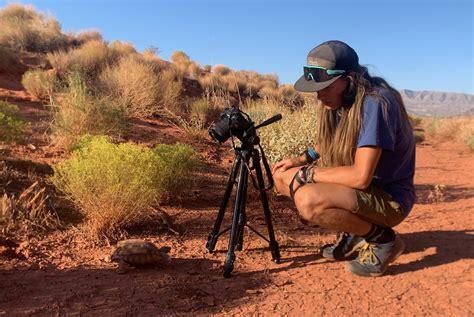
(63,274)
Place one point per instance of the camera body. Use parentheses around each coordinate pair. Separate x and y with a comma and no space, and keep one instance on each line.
(233,122)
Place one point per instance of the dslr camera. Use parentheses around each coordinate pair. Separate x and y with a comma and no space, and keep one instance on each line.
(233,122)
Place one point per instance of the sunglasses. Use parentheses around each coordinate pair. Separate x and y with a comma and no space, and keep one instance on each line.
(319,73)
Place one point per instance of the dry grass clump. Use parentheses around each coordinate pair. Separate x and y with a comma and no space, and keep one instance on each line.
(87,36)
(251,83)
(39,83)
(120,49)
(8,59)
(221,70)
(179,57)
(199,112)
(134,84)
(288,137)
(185,66)
(159,65)
(88,60)
(76,112)
(28,210)
(202,112)
(169,92)
(211,83)
(288,96)
(460,129)
(23,28)
(115,186)
(269,92)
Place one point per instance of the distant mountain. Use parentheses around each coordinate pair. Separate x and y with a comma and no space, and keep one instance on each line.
(437,103)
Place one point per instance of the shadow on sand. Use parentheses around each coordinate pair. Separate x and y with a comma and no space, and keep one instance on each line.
(188,286)
(451,246)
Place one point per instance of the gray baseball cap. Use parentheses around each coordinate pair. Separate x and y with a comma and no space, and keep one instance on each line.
(331,55)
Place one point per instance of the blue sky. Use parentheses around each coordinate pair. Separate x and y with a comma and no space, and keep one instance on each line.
(414,44)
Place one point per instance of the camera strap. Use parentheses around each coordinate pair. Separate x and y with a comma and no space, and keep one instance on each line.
(302,177)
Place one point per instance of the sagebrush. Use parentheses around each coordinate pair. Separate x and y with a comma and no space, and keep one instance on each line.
(11,126)
(114,185)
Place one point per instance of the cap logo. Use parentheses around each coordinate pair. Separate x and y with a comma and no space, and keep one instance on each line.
(320,62)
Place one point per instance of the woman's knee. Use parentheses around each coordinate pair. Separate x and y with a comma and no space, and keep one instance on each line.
(310,207)
(279,181)
(282,181)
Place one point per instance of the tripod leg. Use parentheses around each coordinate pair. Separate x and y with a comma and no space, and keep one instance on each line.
(212,238)
(242,218)
(234,230)
(266,209)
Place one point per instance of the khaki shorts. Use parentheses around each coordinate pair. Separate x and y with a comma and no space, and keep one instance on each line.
(376,206)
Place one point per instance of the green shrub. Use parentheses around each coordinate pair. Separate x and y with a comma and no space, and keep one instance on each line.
(115,185)
(470,141)
(180,160)
(23,28)
(76,112)
(11,127)
(415,121)
(419,136)
(39,83)
(288,137)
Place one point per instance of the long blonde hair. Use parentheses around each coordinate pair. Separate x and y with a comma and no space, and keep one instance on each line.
(337,141)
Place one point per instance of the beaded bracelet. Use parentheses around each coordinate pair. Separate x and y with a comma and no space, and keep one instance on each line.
(310,155)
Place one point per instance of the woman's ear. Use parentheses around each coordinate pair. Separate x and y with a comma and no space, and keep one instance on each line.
(350,93)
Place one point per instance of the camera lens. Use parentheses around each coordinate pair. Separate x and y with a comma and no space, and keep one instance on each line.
(220,131)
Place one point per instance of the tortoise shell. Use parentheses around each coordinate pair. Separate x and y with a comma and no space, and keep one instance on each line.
(140,252)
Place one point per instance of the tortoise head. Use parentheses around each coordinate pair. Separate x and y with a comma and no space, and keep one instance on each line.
(165,249)
(116,256)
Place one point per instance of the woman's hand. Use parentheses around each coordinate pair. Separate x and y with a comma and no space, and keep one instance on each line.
(286,164)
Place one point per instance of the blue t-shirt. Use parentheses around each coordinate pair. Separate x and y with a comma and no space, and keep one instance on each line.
(384,126)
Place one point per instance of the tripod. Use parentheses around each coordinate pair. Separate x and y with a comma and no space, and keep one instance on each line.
(243,155)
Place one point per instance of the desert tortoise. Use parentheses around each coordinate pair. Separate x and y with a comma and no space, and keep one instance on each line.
(139,252)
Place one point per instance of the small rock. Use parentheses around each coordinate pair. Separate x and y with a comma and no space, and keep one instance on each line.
(31,147)
(209,300)
(252,291)
(283,283)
